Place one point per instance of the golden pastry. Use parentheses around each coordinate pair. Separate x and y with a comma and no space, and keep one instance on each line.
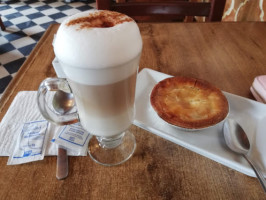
(189,103)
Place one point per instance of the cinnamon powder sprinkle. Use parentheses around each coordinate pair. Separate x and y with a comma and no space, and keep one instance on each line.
(104,19)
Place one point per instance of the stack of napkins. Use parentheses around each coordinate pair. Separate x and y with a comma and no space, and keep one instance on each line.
(24,109)
(258,88)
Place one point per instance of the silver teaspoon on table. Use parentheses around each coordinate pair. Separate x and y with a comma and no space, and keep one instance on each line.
(62,102)
(237,140)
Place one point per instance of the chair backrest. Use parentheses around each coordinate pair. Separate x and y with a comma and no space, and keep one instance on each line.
(168,10)
(2,24)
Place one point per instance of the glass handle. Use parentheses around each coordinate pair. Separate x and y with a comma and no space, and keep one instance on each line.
(54,84)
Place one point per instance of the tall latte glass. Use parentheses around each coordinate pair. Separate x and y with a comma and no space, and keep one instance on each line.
(99,51)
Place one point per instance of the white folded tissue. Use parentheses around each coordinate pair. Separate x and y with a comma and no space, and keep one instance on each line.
(23,125)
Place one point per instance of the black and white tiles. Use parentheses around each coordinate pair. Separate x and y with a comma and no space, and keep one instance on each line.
(26,21)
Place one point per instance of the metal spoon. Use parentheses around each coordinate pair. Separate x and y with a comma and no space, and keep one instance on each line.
(62,102)
(237,140)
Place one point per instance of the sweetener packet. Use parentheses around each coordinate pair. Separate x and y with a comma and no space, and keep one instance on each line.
(30,144)
(73,137)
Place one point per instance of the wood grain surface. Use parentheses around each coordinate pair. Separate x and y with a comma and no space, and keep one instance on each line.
(229,55)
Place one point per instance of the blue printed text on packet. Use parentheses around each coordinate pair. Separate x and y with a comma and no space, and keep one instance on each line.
(31,143)
(74,134)
(73,137)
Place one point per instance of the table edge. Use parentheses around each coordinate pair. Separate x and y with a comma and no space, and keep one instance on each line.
(10,90)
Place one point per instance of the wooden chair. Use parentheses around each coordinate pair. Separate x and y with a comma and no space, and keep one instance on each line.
(2,24)
(165,10)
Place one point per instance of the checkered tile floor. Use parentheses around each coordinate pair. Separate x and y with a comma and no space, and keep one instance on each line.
(25,22)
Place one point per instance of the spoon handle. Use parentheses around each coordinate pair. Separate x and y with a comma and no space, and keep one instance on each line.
(258,173)
(62,164)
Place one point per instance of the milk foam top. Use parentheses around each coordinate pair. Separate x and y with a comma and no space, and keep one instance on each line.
(97,39)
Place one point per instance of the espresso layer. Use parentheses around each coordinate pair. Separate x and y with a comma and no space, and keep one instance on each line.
(107,109)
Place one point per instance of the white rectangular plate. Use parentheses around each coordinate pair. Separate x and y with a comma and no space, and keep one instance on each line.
(209,142)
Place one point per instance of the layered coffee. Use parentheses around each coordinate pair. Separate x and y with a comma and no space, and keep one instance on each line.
(99,52)
(106,109)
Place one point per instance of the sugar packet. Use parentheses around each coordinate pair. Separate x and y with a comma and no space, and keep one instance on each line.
(30,144)
(73,137)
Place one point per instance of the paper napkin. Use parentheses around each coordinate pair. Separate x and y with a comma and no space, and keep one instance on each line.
(24,109)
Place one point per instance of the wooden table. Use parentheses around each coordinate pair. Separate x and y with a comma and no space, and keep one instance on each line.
(228,55)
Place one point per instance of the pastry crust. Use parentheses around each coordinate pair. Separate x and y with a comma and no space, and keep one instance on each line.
(189,103)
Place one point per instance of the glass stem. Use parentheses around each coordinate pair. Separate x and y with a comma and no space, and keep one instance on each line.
(110,142)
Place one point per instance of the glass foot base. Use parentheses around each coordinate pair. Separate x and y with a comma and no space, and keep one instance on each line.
(112,151)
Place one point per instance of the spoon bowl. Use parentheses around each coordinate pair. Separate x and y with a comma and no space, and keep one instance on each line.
(235,137)
(63,102)
(237,140)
